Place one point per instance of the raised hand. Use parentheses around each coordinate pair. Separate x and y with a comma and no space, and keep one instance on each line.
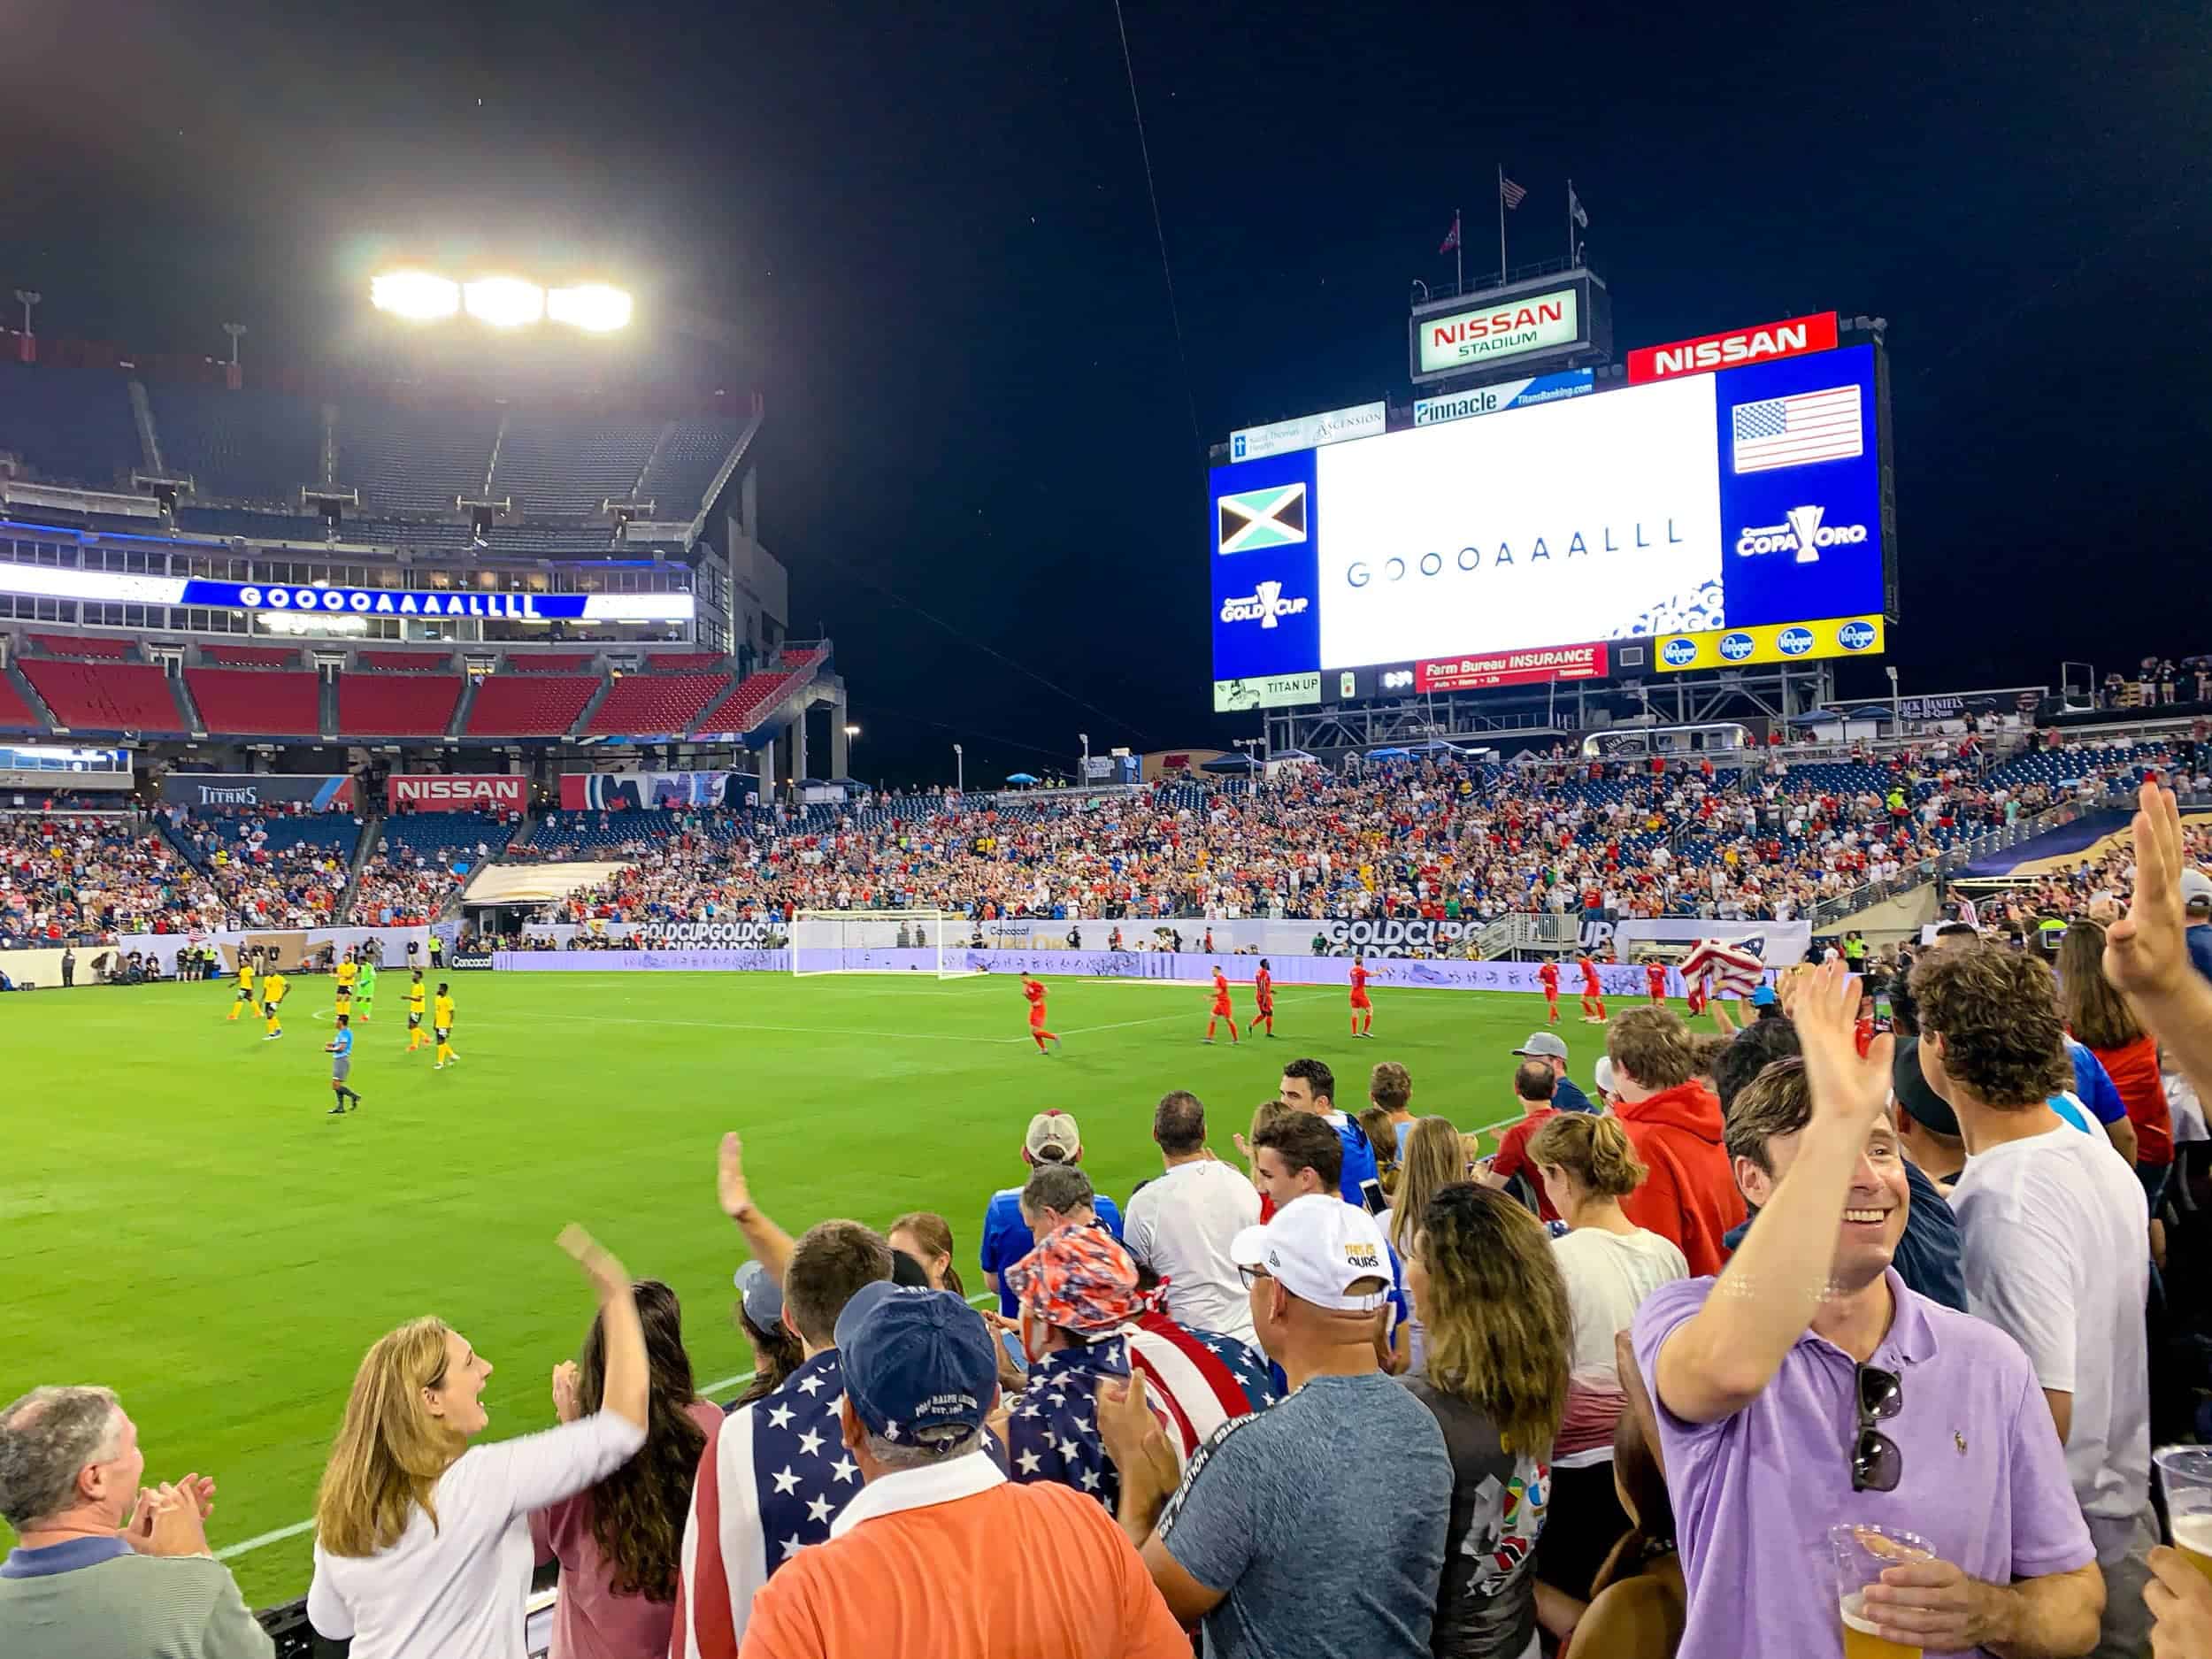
(609,1277)
(2146,951)
(1846,1088)
(729,1187)
(567,1391)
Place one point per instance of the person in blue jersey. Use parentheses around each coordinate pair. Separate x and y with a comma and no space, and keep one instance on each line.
(340,1048)
(1309,1086)
(1053,1138)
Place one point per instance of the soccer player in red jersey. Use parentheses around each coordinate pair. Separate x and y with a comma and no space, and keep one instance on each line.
(1548,977)
(1263,993)
(1221,1009)
(1034,991)
(1592,991)
(1655,982)
(1363,1010)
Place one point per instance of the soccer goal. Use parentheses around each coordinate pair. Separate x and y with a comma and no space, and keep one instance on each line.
(880,941)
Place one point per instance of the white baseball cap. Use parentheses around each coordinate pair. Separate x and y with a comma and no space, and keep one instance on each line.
(2196,887)
(1318,1246)
(1053,1138)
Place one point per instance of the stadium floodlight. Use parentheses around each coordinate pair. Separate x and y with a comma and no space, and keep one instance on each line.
(505,301)
(417,295)
(595,307)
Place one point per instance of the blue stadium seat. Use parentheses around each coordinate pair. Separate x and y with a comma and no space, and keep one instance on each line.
(74,425)
(244,446)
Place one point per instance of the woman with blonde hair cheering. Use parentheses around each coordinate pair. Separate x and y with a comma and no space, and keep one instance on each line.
(422,1541)
(1482,1272)
(1610,1264)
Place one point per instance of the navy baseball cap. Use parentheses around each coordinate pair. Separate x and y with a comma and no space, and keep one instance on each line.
(1914,1098)
(919,1365)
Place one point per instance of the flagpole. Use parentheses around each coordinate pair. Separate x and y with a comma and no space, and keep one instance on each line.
(1502,223)
(1459,256)
(1571,224)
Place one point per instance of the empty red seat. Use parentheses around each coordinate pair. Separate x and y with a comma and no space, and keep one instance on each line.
(545,662)
(651,705)
(250,655)
(530,705)
(105,697)
(406,662)
(684,662)
(88,645)
(15,714)
(256,702)
(400,705)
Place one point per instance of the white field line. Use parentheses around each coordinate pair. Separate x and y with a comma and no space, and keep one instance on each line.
(262,1541)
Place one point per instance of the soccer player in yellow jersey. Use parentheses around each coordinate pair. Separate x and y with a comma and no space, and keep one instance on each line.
(441,1020)
(417,993)
(349,973)
(274,986)
(245,998)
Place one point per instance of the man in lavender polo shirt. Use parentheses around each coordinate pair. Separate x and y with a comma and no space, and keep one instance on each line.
(1807,1386)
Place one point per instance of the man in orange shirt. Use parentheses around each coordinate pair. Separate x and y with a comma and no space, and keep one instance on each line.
(939,1556)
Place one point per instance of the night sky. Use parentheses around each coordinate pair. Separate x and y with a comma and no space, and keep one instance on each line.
(931,228)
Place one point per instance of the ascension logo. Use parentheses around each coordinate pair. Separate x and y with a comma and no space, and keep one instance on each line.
(1265,606)
(1802,532)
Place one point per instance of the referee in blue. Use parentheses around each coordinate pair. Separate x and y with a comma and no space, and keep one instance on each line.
(339,1048)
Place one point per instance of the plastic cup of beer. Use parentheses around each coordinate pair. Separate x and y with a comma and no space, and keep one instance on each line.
(1862,1551)
(2185,1471)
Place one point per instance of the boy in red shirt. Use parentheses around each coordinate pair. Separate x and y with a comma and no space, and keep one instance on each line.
(1263,993)
(1221,1009)
(1655,982)
(1593,993)
(1548,977)
(1035,991)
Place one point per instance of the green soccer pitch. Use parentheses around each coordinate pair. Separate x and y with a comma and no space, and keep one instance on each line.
(184,1223)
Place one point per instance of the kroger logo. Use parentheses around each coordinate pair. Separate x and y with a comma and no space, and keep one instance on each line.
(1265,606)
(1794,641)
(1735,646)
(1855,636)
(1678,653)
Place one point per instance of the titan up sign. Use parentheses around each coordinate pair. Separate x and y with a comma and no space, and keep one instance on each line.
(1794,338)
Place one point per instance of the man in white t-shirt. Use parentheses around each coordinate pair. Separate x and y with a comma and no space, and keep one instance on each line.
(1181,1226)
(2056,1244)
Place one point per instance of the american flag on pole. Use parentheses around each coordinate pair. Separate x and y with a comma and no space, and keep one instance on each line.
(1733,970)
(1798,429)
(1510,191)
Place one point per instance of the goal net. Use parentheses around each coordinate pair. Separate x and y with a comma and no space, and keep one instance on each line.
(880,941)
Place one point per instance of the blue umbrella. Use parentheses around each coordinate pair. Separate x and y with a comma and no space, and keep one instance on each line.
(1389,754)
(1227,763)
(1020,777)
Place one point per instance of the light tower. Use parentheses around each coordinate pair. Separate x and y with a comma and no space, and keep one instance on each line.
(233,375)
(27,298)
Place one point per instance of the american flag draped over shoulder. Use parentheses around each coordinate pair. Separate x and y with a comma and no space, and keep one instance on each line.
(771,1481)
(1196,1381)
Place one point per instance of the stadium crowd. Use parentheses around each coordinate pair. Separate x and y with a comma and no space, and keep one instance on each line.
(1443,839)
(1812,1329)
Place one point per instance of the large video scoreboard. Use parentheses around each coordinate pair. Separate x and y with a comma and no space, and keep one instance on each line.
(1724,518)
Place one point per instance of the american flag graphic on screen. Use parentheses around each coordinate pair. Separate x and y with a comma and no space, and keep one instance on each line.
(1802,427)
